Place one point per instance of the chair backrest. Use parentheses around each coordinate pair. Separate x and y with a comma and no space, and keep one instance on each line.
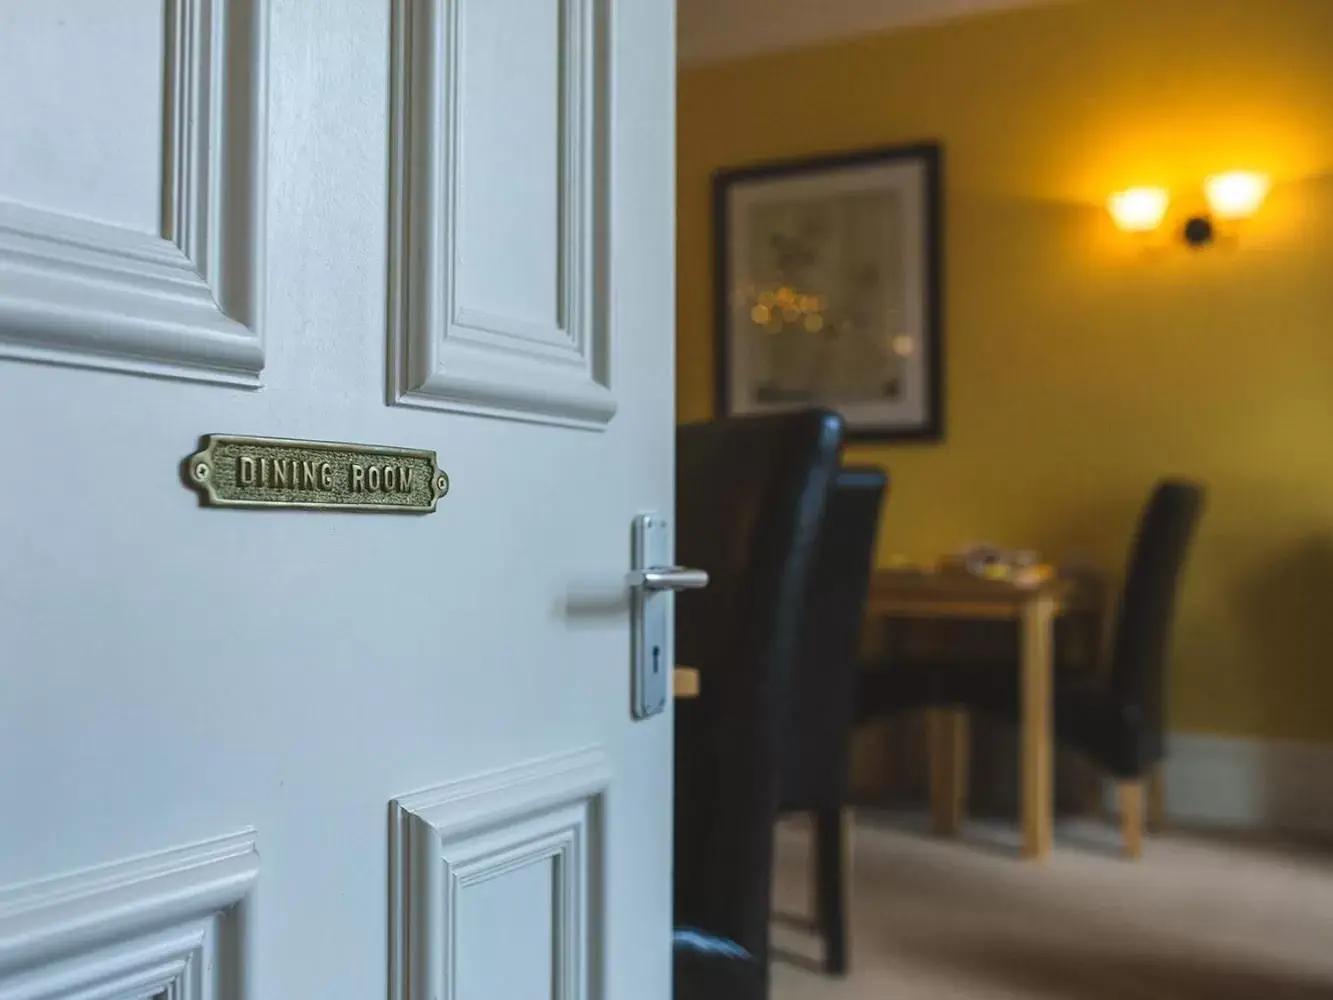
(750,500)
(816,746)
(1142,637)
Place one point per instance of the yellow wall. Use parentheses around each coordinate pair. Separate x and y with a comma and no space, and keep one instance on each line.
(1080,365)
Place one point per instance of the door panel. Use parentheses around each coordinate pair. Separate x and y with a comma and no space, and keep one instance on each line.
(95,166)
(173,674)
(508,865)
(131,186)
(170,925)
(501,209)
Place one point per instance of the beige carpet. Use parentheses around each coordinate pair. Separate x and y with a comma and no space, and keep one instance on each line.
(1197,919)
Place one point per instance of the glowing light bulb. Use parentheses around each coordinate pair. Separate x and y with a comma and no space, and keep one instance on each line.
(1236,194)
(1138,209)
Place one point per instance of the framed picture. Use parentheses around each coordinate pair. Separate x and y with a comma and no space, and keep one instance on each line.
(828,290)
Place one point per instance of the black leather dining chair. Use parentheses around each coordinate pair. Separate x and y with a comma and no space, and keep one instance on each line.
(1116,718)
(750,502)
(816,751)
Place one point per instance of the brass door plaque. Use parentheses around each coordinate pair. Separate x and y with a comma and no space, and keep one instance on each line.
(232,471)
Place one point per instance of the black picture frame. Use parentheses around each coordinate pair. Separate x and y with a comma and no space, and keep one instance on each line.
(921,185)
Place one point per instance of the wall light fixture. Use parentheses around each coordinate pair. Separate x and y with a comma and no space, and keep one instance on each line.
(1237,194)
(1139,209)
(1231,196)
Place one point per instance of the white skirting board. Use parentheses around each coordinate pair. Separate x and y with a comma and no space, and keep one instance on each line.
(1249,784)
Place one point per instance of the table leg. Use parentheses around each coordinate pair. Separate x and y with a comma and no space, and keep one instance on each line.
(685,682)
(949,752)
(1038,791)
(1129,802)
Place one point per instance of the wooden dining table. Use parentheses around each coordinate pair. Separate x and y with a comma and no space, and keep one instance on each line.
(685,682)
(954,594)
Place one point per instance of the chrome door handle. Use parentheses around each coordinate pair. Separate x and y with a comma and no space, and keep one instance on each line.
(652,581)
(669,578)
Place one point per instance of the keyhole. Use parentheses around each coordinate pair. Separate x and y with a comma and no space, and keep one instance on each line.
(657,658)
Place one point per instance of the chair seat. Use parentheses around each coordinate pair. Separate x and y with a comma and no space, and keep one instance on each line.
(707,976)
(1088,715)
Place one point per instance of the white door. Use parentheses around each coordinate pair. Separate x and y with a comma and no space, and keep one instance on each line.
(300,753)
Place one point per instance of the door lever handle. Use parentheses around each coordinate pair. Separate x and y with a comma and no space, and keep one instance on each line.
(651,581)
(669,578)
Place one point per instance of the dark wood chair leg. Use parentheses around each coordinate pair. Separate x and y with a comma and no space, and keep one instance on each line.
(832,857)
(1156,817)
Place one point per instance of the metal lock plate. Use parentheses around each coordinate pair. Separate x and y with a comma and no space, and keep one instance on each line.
(651,618)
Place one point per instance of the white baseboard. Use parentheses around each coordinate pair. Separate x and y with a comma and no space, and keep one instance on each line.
(1249,784)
